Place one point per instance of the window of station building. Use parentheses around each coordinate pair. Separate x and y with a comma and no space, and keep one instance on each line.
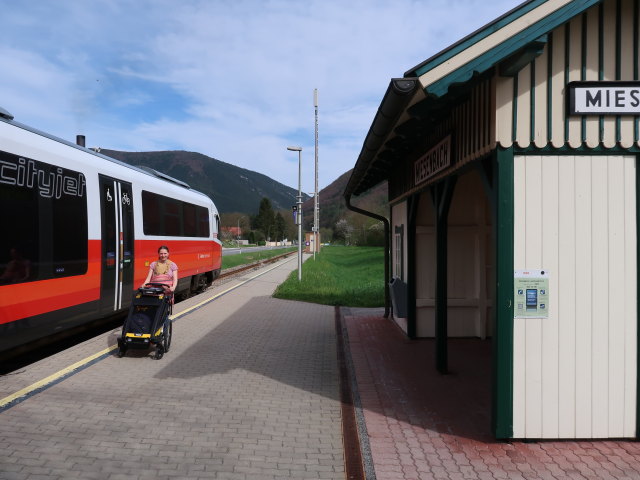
(165,216)
(398,262)
(45,232)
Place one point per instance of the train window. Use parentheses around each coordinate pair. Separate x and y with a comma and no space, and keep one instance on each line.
(164,216)
(203,222)
(151,214)
(45,208)
(190,224)
(172,217)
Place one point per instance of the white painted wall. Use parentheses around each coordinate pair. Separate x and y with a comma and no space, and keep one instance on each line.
(575,372)
(470,270)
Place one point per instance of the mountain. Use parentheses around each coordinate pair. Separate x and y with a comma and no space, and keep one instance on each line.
(332,206)
(233,189)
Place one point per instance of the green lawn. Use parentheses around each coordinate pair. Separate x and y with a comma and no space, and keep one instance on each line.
(230,261)
(346,276)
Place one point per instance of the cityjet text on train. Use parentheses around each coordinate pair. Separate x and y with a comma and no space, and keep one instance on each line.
(604,98)
(49,182)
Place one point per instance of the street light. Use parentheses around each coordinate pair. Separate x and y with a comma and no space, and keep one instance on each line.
(316,206)
(299,217)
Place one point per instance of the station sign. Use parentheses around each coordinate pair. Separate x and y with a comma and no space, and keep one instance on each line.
(434,161)
(604,98)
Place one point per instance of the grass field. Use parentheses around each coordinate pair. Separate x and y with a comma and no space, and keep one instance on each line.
(230,261)
(346,276)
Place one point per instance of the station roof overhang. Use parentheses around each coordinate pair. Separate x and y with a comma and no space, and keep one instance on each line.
(415,103)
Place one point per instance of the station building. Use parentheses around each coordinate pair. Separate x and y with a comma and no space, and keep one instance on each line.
(511,159)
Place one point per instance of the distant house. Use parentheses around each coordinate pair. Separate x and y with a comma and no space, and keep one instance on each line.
(235,231)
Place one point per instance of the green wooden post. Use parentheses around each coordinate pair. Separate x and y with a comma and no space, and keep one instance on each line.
(503,331)
(442,195)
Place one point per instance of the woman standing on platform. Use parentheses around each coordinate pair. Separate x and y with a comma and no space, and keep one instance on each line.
(163,270)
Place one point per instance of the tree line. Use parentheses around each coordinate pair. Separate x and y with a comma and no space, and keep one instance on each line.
(269,225)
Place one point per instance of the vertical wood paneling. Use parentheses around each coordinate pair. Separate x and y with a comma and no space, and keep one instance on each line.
(504,110)
(584,291)
(616,234)
(533,326)
(575,371)
(565,293)
(626,69)
(523,116)
(630,296)
(609,67)
(575,72)
(599,296)
(519,327)
(557,89)
(550,261)
(541,101)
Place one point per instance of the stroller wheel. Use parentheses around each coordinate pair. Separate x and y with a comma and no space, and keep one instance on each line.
(167,333)
(122,349)
(159,351)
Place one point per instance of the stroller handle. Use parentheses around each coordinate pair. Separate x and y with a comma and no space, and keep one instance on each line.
(156,288)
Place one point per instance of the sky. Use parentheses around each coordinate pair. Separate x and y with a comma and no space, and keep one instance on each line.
(231,79)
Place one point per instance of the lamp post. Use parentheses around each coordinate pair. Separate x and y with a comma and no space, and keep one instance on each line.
(299,217)
(316,206)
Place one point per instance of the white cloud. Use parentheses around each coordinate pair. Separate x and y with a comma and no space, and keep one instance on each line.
(232,80)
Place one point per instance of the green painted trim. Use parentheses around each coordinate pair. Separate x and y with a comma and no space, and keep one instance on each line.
(637,298)
(583,73)
(507,48)
(474,38)
(584,149)
(618,62)
(601,59)
(503,332)
(567,51)
(442,196)
(549,85)
(618,40)
(514,111)
(636,40)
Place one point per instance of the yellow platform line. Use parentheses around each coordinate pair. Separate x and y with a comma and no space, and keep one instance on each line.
(52,378)
(42,384)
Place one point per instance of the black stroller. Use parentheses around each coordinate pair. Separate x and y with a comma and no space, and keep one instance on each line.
(148,322)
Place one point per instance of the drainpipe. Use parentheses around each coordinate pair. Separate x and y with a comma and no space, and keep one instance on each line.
(385,222)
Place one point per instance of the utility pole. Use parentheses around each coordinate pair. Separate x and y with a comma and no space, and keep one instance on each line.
(316,207)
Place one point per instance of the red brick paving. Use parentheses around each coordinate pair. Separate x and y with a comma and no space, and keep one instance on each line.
(422,425)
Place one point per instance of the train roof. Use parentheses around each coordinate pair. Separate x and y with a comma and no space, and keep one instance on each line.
(7,117)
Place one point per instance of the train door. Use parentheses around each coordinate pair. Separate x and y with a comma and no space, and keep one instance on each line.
(116,207)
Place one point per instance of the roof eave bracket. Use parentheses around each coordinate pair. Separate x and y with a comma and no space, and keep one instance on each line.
(523,57)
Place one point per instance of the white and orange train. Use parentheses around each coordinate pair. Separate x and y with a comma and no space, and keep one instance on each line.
(79,230)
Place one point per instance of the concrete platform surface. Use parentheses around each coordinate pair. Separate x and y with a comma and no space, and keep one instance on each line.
(248,390)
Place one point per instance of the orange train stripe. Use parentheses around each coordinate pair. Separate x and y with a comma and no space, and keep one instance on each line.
(35,298)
